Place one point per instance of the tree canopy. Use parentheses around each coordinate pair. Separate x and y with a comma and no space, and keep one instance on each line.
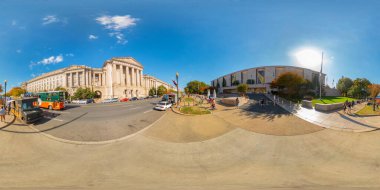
(152,91)
(16,92)
(360,88)
(84,93)
(60,89)
(344,85)
(196,87)
(374,91)
(242,88)
(161,90)
(292,85)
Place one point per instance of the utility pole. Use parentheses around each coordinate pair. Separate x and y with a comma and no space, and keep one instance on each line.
(320,80)
(176,76)
(5,94)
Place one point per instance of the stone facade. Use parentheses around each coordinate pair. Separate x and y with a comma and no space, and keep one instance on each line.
(119,77)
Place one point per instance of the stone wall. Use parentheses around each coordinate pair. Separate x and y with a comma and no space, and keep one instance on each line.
(328,107)
(307,104)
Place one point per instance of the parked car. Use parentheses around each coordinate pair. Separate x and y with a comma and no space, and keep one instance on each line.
(110,100)
(124,99)
(133,99)
(163,105)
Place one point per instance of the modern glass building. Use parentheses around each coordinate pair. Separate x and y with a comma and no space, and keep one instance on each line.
(259,79)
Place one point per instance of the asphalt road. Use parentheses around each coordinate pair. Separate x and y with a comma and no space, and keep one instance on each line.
(99,122)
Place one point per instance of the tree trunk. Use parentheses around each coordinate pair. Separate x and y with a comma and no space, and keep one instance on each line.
(374,104)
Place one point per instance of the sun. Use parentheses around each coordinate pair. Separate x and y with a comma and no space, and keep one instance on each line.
(308,57)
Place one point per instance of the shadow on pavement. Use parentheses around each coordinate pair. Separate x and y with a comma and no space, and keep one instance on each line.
(268,110)
(49,129)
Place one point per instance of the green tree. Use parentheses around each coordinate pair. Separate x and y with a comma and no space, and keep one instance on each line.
(360,88)
(291,85)
(224,82)
(242,88)
(152,91)
(161,90)
(344,85)
(374,92)
(1,88)
(84,93)
(59,88)
(196,87)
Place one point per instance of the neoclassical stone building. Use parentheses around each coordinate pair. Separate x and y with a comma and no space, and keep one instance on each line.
(119,77)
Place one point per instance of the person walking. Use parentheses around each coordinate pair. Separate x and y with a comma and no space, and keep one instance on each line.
(2,114)
(349,107)
(237,103)
(344,107)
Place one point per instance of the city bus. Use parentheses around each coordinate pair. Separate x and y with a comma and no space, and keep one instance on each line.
(53,100)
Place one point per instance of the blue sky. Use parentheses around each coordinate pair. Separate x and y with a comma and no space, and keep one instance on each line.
(200,39)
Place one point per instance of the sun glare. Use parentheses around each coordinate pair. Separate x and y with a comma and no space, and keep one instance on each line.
(308,57)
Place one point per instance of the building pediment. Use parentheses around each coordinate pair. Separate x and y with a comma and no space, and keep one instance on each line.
(124,60)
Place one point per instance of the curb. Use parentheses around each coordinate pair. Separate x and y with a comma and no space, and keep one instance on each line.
(179,113)
(322,125)
(94,142)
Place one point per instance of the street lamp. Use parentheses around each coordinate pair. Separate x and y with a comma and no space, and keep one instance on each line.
(176,76)
(5,94)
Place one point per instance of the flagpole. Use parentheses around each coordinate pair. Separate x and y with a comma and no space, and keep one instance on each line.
(320,80)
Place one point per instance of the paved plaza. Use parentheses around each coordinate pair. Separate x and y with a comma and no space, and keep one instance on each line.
(337,120)
(247,148)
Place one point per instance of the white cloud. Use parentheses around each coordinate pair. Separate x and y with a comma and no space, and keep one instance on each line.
(116,24)
(92,37)
(32,75)
(49,19)
(69,55)
(119,36)
(47,61)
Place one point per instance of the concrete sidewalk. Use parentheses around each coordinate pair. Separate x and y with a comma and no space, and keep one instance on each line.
(337,120)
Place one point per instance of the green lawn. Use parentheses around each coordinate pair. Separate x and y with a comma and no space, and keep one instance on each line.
(331,100)
(194,110)
(368,110)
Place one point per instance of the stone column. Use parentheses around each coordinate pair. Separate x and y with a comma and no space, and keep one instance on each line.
(71,82)
(141,78)
(114,81)
(78,79)
(127,75)
(122,75)
(132,76)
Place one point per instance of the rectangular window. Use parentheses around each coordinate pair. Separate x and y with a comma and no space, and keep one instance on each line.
(260,76)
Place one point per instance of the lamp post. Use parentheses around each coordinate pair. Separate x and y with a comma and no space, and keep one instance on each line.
(320,80)
(5,94)
(176,77)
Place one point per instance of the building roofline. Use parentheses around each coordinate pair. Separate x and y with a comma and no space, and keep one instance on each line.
(268,66)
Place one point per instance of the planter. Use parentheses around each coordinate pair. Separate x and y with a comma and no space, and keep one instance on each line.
(307,104)
(328,107)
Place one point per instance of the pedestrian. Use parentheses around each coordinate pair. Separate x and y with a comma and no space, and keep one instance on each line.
(344,107)
(237,102)
(349,107)
(2,114)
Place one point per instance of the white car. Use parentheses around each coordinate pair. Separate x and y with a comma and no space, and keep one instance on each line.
(110,100)
(163,105)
